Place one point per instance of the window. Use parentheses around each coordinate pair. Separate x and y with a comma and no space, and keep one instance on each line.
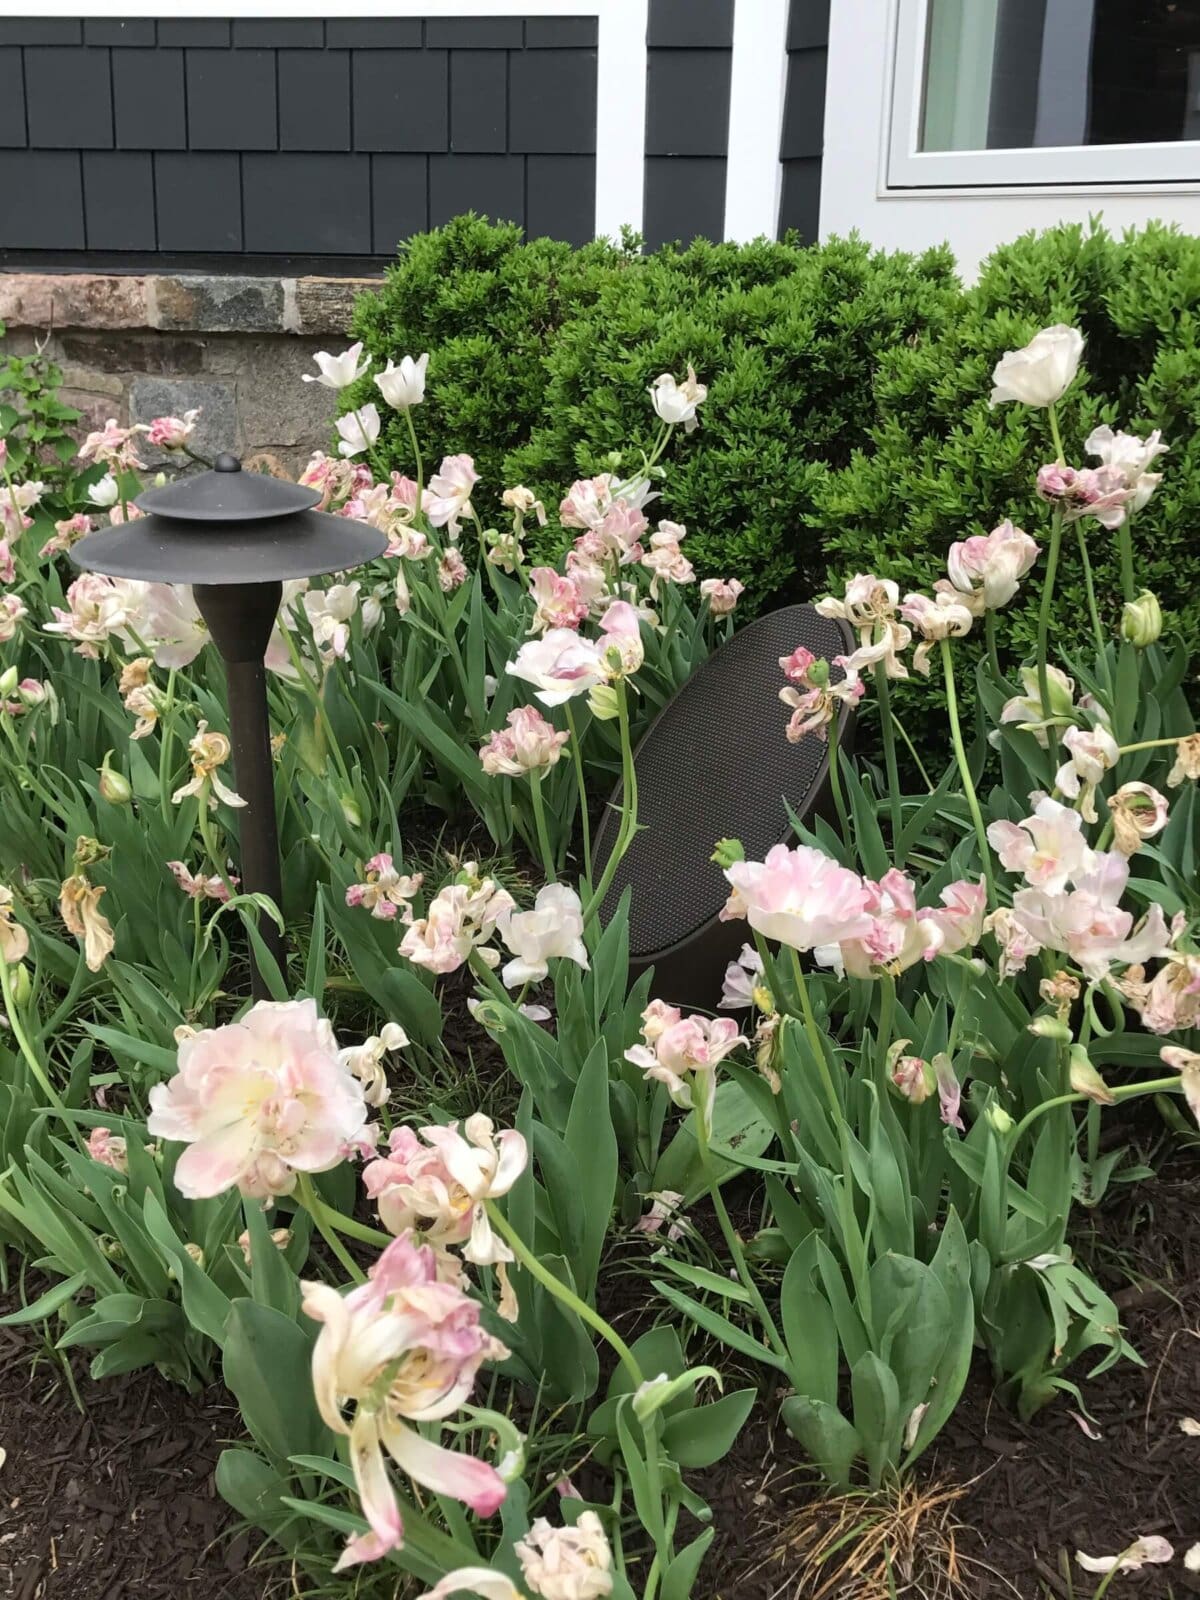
(995,93)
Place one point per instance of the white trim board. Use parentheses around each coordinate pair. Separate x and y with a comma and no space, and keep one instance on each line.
(758,83)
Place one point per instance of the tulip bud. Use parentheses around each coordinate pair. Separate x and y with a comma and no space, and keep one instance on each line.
(114,786)
(9,679)
(612,461)
(818,672)
(1141,620)
(763,999)
(1050,1028)
(88,851)
(603,702)
(728,852)
(351,810)
(22,984)
(1086,1080)
(998,1119)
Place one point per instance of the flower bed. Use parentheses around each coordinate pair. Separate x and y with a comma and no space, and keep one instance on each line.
(398,1256)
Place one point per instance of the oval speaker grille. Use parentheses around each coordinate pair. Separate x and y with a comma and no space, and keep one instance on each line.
(715,764)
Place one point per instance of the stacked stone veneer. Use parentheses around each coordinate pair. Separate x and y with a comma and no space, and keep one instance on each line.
(139,347)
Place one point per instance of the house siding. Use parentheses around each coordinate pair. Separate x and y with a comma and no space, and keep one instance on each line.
(278,139)
(802,139)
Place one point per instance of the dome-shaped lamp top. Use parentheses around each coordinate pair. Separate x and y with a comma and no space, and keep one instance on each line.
(229,526)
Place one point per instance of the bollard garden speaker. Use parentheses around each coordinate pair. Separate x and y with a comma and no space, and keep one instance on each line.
(715,764)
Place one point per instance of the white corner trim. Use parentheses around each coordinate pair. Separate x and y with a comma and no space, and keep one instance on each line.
(620,114)
(757,86)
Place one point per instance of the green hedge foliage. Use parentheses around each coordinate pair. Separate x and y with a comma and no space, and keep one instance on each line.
(847,424)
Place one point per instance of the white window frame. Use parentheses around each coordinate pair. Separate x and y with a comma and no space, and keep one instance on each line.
(620,70)
(1061,167)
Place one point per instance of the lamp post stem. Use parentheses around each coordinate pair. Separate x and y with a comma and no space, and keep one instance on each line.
(250,736)
(240,618)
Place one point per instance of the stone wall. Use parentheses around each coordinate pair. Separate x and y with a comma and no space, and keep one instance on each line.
(139,347)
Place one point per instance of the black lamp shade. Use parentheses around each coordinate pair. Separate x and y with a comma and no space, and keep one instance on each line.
(716,764)
(229,527)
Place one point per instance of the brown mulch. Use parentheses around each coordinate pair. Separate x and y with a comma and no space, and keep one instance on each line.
(1031,1494)
(115,1501)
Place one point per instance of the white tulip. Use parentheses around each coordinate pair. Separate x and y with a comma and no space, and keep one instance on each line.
(106,492)
(403,386)
(339,372)
(1043,371)
(358,430)
(553,929)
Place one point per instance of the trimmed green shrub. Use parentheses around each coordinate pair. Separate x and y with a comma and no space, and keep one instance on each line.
(847,424)
(941,464)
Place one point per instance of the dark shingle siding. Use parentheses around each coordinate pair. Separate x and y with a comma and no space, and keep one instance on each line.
(689,60)
(802,138)
(211,136)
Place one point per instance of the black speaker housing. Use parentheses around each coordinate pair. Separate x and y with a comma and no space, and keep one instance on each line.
(715,764)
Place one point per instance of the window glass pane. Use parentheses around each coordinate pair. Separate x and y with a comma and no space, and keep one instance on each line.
(1005,74)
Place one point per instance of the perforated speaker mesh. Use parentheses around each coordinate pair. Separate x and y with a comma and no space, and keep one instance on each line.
(715,764)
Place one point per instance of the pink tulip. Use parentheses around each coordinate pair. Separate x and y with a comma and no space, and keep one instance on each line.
(450,492)
(528,744)
(802,898)
(721,594)
(989,567)
(385,893)
(403,1347)
(258,1101)
(1048,848)
(557,602)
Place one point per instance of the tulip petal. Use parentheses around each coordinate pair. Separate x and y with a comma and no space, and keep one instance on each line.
(463,1477)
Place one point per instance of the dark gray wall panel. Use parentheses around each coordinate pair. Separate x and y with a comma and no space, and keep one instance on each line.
(374,33)
(475,33)
(199,202)
(309,204)
(41,200)
(400,100)
(194,31)
(800,199)
(553,102)
(114,30)
(278,33)
(491,185)
(40,30)
(554,33)
(120,199)
(804,108)
(231,100)
(479,102)
(314,99)
(803,134)
(399,200)
(685,198)
(149,99)
(808,24)
(12,97)
(68,97)
(560,197)
(677,24)
(687,103)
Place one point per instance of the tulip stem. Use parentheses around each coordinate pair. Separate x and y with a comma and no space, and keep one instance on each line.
(27,1050)
(989,634)
(307,1195)
(539,818)
(1125,551)
(835,779)
(416,449)
(732,1240)
(584,824)
(964,770)
(888,732)
(1122,1091)
(1147,744)
(1043,632)
(1094,612)
(347,1225)
(629,803)
(563,1294)
(164,748)
(1056,436)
